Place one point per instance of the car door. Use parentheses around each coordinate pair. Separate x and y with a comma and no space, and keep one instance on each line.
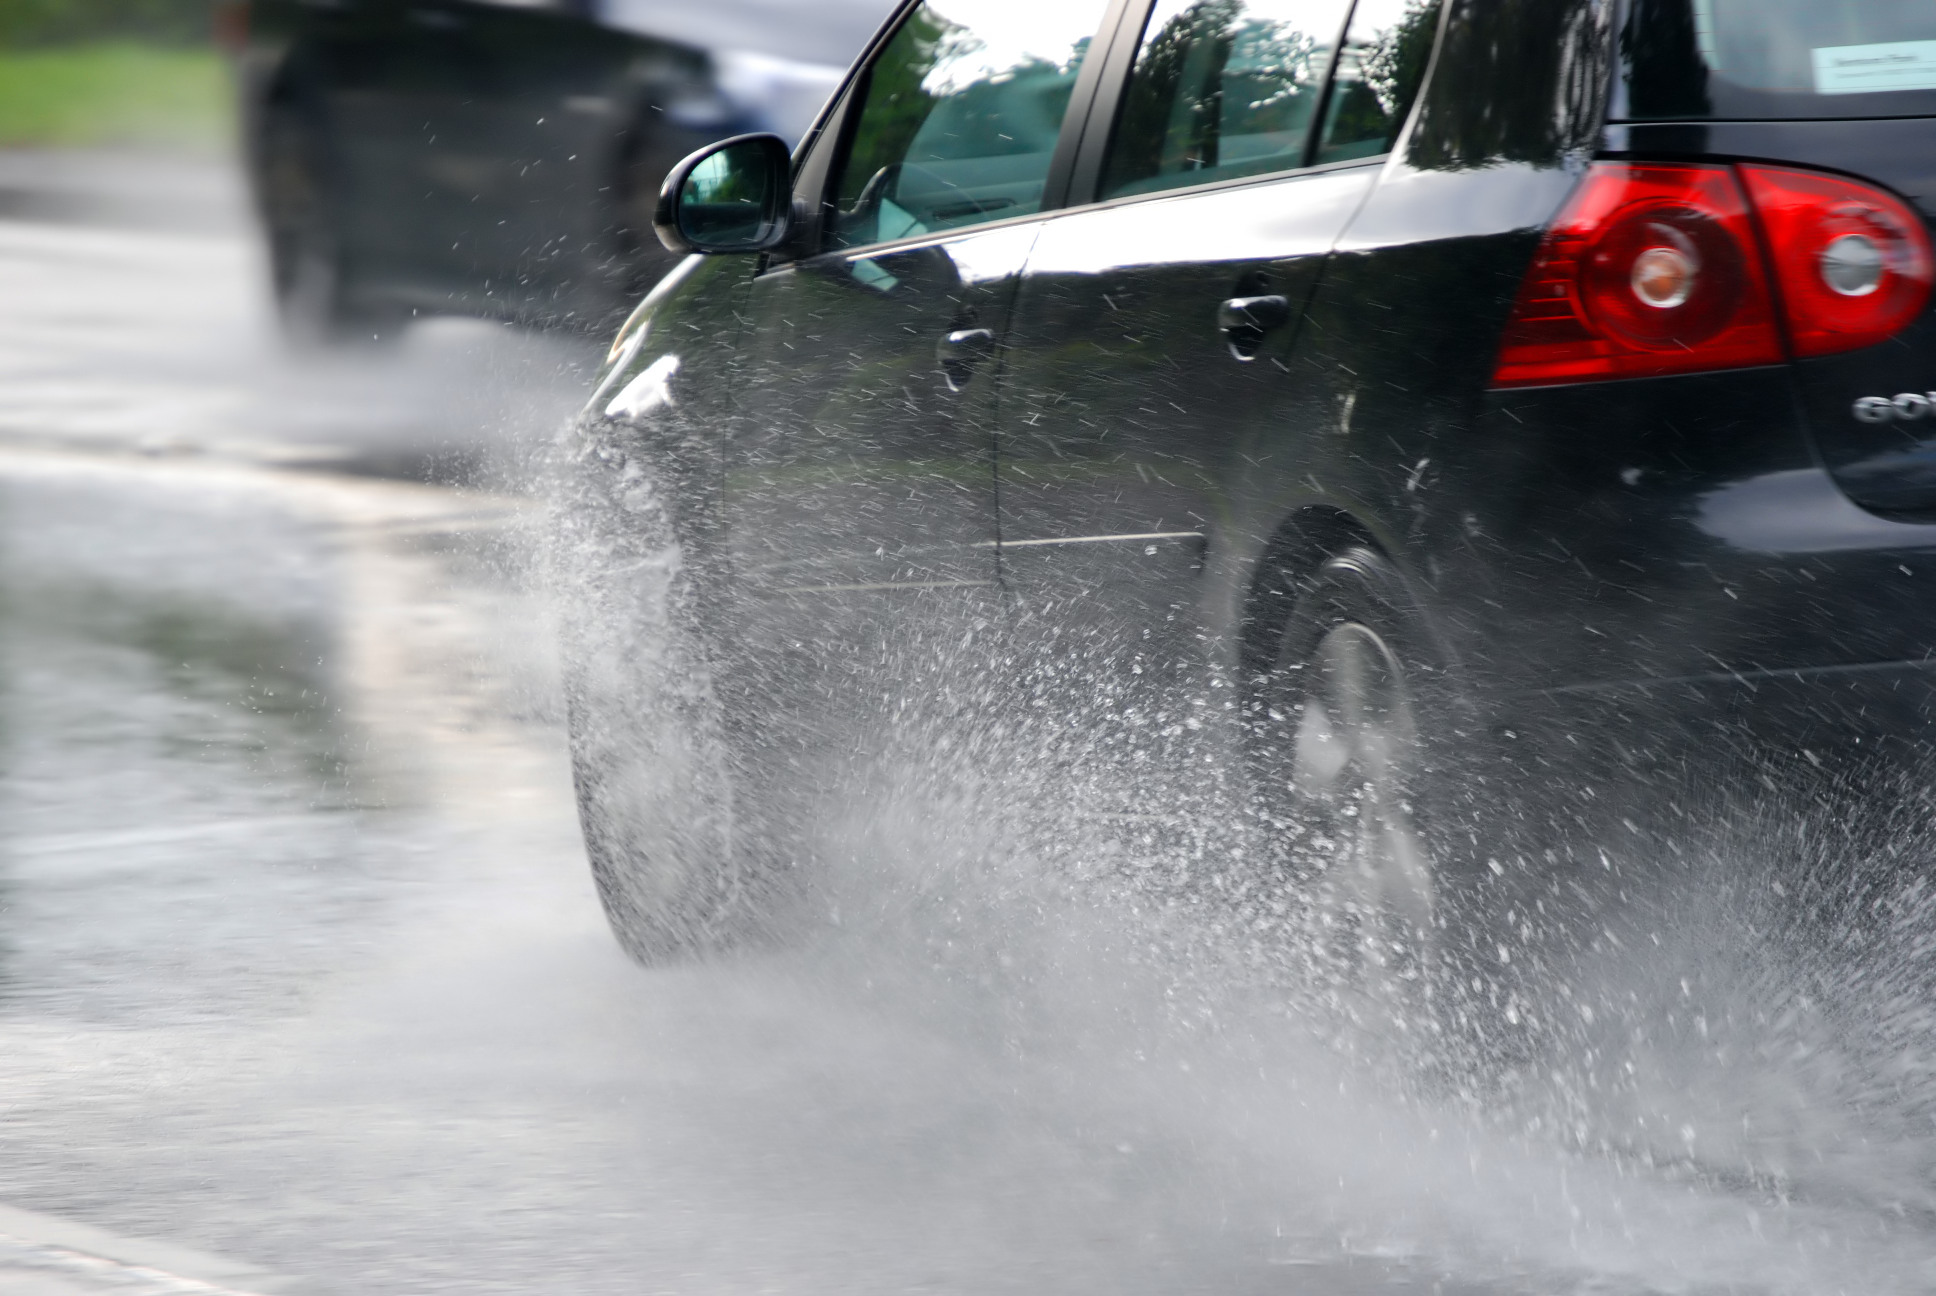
(1151,332)
(860,499)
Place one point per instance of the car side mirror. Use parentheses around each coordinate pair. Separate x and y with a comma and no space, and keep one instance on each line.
(733,196)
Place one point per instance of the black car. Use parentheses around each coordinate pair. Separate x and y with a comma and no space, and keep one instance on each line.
(502,157)
(1414,441)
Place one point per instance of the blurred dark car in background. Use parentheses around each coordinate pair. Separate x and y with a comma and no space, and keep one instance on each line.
(478,157)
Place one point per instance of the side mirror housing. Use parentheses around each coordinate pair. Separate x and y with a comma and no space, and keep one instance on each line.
(733,196)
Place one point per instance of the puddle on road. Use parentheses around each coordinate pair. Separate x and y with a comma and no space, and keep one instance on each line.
(209,790)
(252,728)
(176,788)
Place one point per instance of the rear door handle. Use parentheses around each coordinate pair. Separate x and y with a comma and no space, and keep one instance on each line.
(960,351)
(1245,320)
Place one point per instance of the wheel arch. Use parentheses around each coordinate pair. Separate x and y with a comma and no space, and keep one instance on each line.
(1300,545)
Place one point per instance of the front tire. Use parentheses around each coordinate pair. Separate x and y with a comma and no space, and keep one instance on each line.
(656,802)
(661,795)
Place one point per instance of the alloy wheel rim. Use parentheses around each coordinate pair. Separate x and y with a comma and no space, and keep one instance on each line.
(1354,757)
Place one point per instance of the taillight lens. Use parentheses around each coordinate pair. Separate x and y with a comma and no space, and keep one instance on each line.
(1852,261)
(1649,269)
(1656,269)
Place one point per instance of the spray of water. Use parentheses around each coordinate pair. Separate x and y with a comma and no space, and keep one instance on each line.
(1711,1069)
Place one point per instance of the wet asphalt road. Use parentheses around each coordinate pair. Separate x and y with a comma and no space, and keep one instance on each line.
(301,964)
(303,986)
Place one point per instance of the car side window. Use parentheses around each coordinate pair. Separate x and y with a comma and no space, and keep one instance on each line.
(1221,89)
(958,117)
(1379,72)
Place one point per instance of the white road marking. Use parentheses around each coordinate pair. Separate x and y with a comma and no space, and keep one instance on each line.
(244,826)
(42,1253)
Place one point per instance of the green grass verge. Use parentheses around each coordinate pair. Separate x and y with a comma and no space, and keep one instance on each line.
(96,96)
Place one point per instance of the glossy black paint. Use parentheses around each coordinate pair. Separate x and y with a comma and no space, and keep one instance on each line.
(1126,417)
(1696,547)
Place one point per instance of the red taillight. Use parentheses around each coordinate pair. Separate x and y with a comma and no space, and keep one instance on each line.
(1648,270)
(1656,269)
(1853,262)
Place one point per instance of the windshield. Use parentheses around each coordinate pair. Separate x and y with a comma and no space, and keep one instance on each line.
(1779,58)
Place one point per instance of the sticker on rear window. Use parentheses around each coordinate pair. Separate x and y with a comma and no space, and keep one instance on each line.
(1872,69)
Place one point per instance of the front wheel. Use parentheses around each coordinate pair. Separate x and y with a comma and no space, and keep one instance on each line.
(657,802)
(662,795)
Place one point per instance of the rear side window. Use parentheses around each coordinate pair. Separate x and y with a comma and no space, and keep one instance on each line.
(1746,59)
(1379,72)
(958,116)
(1223,89)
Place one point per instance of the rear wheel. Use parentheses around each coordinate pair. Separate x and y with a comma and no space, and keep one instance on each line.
(1341,760)
(1354,763)
(310,271)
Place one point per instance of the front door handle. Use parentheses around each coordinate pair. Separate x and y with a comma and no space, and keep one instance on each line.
(959,353)
(1245,320)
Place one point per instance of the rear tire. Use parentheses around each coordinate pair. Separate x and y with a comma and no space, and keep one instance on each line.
(310,268)
(1349,717)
